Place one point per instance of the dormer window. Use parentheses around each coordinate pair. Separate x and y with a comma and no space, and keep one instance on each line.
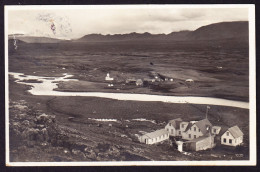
(227,133)
(194,128)
(169,124)
(182,125)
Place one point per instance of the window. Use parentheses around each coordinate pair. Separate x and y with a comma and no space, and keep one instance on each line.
(227,133)
(195,136)
(215,130)
(189,135)
(169,124)
(230,141)
(194,128)
(224,140)
(199,130)
(182,125)
(168,129)
(179,132)
(172,131)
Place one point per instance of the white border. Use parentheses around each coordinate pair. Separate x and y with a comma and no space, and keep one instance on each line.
(252,90)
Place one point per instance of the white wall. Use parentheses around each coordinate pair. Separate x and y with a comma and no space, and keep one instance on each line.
(192,132)
(158,139)
(235,142)
(171,130)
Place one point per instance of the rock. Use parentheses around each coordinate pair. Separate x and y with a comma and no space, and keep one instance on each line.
(40,126)
(45,119)
(75,151)
(66,151)
(22,116)
(20,107)
(26,123)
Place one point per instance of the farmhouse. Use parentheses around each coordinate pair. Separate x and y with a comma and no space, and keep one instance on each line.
(232,137)
(199,134)
(131,81)
(195,129)
(173,127)
(154,137)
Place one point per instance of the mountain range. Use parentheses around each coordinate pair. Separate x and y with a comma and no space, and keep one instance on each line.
(237,30)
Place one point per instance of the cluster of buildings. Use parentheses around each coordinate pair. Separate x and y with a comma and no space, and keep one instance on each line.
(195,135)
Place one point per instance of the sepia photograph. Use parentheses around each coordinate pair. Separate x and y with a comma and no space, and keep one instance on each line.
(95,85)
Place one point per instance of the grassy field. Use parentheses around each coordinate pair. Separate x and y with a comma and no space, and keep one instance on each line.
(219,69)
(84,139)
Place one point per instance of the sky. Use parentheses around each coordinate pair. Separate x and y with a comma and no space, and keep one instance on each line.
(74,23)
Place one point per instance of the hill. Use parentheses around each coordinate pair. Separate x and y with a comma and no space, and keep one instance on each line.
(223,30)
(34,39)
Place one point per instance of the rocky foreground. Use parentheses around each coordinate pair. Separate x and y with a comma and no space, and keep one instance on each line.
(35,136)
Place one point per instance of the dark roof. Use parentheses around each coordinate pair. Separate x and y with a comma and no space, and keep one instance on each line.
(223,130)
(203,124)
(176,123)
(156,133)
(235,131)
(188,126)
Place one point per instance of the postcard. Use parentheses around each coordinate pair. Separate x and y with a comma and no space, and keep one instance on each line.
(123,85)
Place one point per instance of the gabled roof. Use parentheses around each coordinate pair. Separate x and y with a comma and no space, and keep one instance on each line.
(235,131)
(156,133)
(176,123)
(223,130)
(203,124)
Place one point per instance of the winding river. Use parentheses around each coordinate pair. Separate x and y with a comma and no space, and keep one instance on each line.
(45,85)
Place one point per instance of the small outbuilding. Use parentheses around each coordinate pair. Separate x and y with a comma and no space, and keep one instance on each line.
(154,137)
(189,80)
(232,137)
(200,143)
(216,130)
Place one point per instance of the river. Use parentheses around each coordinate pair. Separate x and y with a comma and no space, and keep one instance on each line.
(47,84)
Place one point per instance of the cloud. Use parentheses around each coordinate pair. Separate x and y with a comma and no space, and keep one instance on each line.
(72,23)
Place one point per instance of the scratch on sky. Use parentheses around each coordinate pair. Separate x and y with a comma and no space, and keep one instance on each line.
(58,25)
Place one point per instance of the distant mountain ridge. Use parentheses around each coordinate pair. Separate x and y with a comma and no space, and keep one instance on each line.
(33,39)
(134,36)
(216,31)
(237,30)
